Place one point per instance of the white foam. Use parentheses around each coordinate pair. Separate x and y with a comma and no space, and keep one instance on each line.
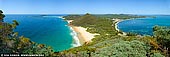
(74,35)
(76,42)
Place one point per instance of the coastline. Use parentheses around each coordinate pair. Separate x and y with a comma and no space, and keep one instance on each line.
(83,36)
(116,21)
(76,41)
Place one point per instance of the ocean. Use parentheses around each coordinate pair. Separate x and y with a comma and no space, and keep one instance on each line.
(144,26)
(49,30)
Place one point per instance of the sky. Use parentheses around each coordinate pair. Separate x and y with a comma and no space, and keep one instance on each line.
(85,6)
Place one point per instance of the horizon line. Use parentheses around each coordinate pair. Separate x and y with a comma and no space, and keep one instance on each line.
(84,13)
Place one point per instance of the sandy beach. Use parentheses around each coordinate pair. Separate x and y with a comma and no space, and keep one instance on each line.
(82,34)
(116,21)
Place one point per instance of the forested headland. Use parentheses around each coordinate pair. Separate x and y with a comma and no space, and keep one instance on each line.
(110,44)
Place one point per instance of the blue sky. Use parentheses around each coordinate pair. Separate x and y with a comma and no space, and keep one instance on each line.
(85,6)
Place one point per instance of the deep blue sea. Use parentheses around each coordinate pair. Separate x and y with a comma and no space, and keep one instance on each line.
(50,30)
(144,26)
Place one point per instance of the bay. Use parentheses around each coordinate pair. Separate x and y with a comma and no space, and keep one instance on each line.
(144,26)
(50,30)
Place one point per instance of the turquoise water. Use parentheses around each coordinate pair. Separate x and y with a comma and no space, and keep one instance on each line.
(49,30)
(144,26)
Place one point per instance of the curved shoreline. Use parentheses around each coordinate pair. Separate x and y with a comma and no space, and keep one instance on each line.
(83,36)
(76,41)
(116,22)
(80,35)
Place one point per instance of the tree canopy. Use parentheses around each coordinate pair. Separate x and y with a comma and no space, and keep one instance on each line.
(10,42)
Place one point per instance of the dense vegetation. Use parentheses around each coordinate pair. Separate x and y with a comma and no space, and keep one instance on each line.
(118,16)
(11,43)
(107,44)
(71,17)
(107,16)
(110,44)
